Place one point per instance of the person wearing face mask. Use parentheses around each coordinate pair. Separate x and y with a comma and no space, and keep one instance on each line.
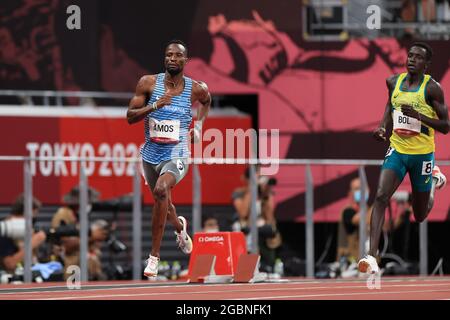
(67,249)
(348,232)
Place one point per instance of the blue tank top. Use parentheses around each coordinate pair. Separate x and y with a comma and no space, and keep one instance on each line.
(179,110)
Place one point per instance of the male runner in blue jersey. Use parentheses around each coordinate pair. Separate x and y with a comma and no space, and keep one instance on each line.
(164,102)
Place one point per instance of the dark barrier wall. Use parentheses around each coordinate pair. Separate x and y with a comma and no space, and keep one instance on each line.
(327,96)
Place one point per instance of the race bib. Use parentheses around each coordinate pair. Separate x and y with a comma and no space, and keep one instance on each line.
(427,168)
(404,125)
(164,131)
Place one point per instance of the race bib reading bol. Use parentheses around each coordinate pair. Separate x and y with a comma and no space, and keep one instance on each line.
(164,131)
(404,125)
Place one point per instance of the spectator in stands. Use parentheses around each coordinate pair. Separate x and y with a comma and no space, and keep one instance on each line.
(399,228)
(69,247)
(210,224)
(11,243)
(408,14)
(415,11)
(424,10)
(269,238)
(428,10)
(99,230)
(348,229)
(443,10)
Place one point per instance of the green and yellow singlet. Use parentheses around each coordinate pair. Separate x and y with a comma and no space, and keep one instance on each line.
(410,136)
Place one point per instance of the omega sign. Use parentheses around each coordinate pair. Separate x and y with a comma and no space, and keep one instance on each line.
(210,239)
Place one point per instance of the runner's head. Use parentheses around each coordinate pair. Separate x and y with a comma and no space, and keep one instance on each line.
(419,58)
(175,57)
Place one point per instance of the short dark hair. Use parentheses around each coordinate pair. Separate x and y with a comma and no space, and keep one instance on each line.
(207,217)
(176,41)
(18,206)
(247,171)
(425,46)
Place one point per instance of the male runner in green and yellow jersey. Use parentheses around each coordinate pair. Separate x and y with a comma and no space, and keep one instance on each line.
(415,109)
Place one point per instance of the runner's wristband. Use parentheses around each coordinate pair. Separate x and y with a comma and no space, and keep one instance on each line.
(198,125)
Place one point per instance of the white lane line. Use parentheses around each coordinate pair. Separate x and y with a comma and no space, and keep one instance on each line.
(158,285)
(339,294)
(228,291)
(89,286)
(184,284)
(108,287)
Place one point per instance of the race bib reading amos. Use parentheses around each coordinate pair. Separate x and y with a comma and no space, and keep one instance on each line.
(164,131)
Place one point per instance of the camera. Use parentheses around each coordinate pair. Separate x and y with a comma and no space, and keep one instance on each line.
(113,244)
(15,229)
(263,180)
(264,185)
(54,234)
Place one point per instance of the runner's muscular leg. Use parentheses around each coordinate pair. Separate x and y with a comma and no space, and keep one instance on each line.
(172,215)
(161,195)
(423,188)
(421,204)
(387,185)
(431,200)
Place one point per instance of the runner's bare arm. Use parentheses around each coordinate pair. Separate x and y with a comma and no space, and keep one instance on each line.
(386,121)
(203,96)
(436,100)
(137,110)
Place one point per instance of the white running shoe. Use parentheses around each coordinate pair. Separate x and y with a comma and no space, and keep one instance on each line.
(441,180)
(368,264)
(183,239)
(151,270)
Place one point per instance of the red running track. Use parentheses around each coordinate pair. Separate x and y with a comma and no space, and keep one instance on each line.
(391,288)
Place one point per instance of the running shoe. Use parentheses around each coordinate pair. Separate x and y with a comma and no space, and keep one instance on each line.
(183,240)
(151,270)
(441,180)
(368,264)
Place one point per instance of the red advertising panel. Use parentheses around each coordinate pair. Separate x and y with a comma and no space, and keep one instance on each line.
(100,132)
